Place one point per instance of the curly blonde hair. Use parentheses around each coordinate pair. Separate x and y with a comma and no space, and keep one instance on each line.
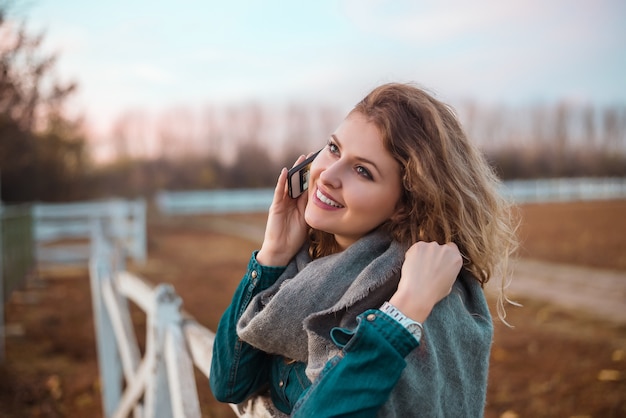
(451,194)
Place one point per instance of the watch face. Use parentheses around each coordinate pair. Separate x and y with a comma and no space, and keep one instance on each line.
(415,330)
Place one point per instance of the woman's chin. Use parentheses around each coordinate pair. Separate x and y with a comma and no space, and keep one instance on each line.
(314,221)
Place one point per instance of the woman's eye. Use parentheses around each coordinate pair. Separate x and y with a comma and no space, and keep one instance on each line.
(333,148)
(362,171)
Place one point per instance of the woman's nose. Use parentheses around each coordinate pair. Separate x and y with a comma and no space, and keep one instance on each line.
(330,175)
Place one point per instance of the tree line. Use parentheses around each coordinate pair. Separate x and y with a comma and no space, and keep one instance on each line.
(43,153)
(47,156)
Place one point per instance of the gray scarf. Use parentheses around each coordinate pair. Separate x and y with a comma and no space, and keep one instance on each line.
(293,317)
(445,376)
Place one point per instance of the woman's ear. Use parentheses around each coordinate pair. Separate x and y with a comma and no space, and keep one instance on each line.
(400,218)
(400,214)
(406,203)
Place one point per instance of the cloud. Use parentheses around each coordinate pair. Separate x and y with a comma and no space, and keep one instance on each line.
(151,74)
(335,51)
(426,22)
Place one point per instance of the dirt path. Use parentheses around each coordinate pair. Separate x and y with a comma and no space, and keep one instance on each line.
(599,292)
(565,356)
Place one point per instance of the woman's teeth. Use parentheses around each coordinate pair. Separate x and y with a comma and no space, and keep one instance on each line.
(326,200)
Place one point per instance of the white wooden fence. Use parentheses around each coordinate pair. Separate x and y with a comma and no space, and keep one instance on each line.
(48,234)
(62,231)
(565,189)
(162,382)
(521,191)
(214,201)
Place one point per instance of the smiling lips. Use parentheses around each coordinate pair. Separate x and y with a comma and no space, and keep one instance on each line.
(324,199)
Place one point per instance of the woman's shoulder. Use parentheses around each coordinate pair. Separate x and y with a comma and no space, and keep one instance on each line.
(465,308)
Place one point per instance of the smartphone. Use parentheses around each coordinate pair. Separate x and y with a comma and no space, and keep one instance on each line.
(298,177)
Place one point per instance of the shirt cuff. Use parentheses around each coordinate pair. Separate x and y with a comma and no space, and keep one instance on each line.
(260,276)
(378,325)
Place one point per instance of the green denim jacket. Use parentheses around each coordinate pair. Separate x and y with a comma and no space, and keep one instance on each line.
(355,383)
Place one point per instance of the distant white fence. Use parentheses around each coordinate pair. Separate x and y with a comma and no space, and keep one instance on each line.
(259,200)
(565,189)
(214,201)
(62,231)
(161,384)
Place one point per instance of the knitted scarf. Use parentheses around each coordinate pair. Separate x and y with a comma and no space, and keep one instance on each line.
(293,317)
(445,376)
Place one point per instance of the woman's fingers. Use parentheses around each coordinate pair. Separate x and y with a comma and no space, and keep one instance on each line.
(280,189)
(431,265)
(428,274)
(300,159)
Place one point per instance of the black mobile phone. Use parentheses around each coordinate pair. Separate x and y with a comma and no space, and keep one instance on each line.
(298,177)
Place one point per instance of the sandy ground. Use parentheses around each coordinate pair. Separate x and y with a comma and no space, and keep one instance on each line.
(565,356)
(598,292)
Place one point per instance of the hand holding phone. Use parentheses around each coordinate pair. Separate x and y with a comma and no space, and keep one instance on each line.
(298,177)
(286,228)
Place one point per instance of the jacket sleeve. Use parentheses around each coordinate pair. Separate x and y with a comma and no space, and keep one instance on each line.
(358,381)
(237,368)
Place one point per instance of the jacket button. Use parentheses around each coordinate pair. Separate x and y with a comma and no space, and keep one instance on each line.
(370,317)
(281,383)
(254,274)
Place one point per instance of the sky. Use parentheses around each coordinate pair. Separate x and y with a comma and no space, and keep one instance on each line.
(152,55)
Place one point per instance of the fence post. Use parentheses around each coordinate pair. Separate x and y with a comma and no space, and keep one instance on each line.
(166,314)
(139,245)
(108,357)
(116,212)
(184,393)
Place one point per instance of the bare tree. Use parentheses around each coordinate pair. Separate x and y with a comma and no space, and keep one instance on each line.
(297,131)
(328,118)
(177,135)
(611,128)
(42,153)
(129,136)
(211,134)
(589,126)
(253,123)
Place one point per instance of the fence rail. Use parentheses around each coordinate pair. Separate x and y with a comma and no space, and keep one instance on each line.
(62,231)
(48,234)
(259,200)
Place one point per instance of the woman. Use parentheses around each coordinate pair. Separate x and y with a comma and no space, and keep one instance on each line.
(366,298)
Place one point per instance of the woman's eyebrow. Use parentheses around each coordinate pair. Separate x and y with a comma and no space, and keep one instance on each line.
(362,159)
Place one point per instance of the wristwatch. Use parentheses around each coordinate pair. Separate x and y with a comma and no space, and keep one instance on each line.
(412,326)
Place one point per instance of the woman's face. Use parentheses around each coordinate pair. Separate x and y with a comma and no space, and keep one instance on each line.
(355,183)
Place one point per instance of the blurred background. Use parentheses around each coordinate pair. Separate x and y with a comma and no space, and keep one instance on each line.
(126,98)
(140,99)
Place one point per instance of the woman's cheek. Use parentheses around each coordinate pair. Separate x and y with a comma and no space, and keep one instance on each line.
(316,169)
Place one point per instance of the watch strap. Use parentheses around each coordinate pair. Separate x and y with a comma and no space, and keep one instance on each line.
(414,327)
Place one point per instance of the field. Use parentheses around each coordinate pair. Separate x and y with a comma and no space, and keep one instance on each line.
(555,362)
